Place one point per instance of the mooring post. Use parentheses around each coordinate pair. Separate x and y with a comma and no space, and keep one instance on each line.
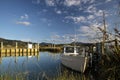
(38,47)
(16,48)
(16,45)
(1,47)
(10,52)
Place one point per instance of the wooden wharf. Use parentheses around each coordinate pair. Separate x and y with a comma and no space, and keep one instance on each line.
(5,50)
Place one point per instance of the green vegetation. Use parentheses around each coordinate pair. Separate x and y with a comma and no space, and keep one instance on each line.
(12,43)
(51,49)
(110,63)
(66,75)
(70,76)
(8,76)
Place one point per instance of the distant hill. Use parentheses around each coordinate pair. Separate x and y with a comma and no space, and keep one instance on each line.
(45,44)
(12,43)
(82,44)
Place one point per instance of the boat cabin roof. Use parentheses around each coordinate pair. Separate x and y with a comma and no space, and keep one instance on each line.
(70,46)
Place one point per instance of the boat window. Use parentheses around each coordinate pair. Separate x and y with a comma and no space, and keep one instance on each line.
(69,49)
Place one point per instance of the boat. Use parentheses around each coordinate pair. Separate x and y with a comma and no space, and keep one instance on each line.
(75,58)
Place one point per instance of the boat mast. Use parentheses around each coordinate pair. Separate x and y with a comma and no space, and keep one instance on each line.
(75,41)
(104,34)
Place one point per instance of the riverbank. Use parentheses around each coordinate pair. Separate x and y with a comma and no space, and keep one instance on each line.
(51,49)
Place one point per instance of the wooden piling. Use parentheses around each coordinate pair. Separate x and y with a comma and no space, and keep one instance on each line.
(1,45)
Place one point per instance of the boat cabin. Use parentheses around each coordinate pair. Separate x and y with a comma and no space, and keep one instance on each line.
(74,50)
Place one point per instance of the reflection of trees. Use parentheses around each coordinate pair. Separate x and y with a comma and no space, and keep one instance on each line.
(54,56)
(0,59)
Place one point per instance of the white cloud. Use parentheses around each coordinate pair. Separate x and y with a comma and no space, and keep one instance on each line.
(84,29)
(108,0)
(66,2)
(55,36)
(92,31)
(77,19)
(99,13)
(91,9)
(50,2)
(86,33)
(90,17)
(23,23)
(77,2)
(25,16)
(68,38)
(58,12)
(26,40)
(85,1)
(23,20)
(72,2)
(91,1)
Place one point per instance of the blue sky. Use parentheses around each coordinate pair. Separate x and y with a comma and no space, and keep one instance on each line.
(55,20)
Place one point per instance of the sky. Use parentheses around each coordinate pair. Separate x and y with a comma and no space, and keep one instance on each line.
(56,20)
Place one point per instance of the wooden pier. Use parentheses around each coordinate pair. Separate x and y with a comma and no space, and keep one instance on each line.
(22,53)
(19,50)
(5,50)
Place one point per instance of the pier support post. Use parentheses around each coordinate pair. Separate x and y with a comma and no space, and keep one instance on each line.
(38,47)
(16,46)
(1,45)
(10,52)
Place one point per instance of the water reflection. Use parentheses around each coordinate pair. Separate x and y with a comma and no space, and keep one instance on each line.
(36,66)
(31,65)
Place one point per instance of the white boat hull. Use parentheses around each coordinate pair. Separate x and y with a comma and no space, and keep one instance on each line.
(77,63)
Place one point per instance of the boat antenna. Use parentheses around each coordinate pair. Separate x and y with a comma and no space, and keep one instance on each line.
(75,39)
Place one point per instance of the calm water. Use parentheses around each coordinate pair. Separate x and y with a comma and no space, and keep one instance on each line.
(43,64)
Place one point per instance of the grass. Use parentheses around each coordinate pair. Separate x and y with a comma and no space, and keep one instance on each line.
(8,76)
(110,65)
(67,76)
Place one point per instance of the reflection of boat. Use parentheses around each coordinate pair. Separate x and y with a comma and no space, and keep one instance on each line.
(29,56)
(74,59)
